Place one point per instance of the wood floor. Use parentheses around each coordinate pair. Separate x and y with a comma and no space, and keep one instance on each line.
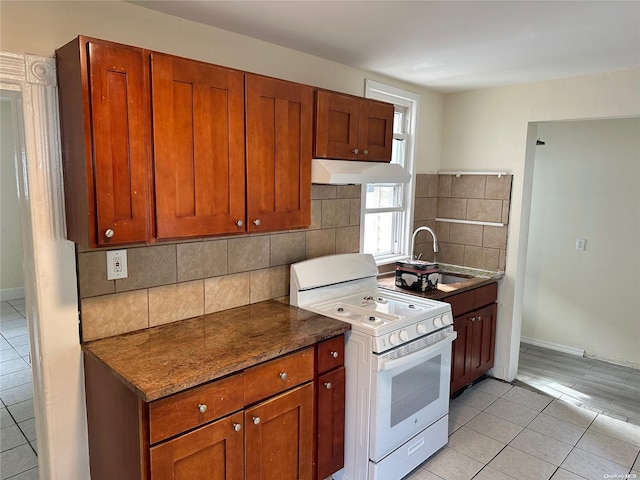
(602,387)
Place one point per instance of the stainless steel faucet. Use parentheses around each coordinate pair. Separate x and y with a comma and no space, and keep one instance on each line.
(436,248)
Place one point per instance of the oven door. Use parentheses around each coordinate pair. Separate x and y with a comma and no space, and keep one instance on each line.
(410,391)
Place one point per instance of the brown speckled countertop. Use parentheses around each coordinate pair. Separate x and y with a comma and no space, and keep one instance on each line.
(476,278)
(164,360)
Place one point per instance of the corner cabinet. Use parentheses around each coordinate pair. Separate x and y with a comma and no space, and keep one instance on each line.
(255,424)
(106,143)
(352,128)
(158,147)
(474,319)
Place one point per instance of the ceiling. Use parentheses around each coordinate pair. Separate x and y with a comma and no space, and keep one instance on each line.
(441,45)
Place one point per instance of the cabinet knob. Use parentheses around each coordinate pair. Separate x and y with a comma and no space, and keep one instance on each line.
(283,375)
(334,354)
(365,152)
(256,420)
(257,222)
(237,427)
(109,233)
(239,223)
(202,408)
(328,385)
(355,151)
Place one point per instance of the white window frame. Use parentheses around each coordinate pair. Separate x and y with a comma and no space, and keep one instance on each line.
(411,102)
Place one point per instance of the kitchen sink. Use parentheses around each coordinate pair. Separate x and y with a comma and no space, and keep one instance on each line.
(446,278)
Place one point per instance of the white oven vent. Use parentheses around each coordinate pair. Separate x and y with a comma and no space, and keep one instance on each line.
(347,172)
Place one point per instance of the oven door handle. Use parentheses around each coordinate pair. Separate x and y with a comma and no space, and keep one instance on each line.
(382,364)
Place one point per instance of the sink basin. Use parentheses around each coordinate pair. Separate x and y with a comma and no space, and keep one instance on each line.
(446,278)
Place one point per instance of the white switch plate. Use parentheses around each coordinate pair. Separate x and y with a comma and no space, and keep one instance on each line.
(581,244)
(116,264)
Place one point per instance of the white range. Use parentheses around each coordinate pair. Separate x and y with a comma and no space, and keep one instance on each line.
(397,359)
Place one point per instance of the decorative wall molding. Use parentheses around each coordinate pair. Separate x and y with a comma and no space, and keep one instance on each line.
(49,269)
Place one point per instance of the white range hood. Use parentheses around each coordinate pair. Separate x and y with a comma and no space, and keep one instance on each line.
(342,172)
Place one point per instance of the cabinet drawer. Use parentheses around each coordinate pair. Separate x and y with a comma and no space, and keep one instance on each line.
(277,375)
(180,412)
(330,354)
(473,299)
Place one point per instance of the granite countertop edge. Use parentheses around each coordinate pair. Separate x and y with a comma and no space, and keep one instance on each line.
(164,360)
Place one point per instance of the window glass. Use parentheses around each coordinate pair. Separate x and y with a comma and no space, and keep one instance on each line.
(387,207)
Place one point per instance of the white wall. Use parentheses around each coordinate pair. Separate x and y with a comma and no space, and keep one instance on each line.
(11,280)
(586,183)
(495,129)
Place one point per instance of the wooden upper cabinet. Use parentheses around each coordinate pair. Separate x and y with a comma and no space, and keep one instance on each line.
(352,128)
(279,116)
(106,138)
(375,136)
(198,131)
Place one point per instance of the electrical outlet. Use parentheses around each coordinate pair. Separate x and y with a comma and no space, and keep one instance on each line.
(117,264)
(581,244)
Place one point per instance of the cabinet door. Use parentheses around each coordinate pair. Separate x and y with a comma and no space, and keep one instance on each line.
(330,422)
(336,126)
(460,357)
(121,143)
(279,437)
(278,131)
(482,344)
(375,135)
(198,127)
(213,452)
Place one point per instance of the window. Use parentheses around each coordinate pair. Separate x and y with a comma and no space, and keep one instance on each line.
(386,217)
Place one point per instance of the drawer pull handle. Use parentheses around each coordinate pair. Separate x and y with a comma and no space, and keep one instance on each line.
(202,408)
(239,223)
(237,427)
(109,233)
(334,354)
(328,385)
(365,152)
(355,151)
(283,375)
(256,420)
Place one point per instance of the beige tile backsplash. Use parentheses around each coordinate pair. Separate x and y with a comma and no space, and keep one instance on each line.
(171,282)
(480,198)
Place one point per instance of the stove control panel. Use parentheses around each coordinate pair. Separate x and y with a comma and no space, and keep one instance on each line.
(411,332)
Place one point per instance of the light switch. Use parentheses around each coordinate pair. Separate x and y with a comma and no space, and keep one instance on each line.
(117,264)
(581,244)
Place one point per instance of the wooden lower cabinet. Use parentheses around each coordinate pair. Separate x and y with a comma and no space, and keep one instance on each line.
(279,437)
(257,424)
(213,452)
(473,351)
(330,422)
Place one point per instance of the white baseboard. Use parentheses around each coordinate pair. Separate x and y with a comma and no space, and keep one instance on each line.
(552,346)
(11,293)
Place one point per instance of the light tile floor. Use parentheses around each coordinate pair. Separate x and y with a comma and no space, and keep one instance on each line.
(18,456)
(498,431)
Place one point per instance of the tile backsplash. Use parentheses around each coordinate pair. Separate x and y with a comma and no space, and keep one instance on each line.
(174,281)
(468,198)
(171,282)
